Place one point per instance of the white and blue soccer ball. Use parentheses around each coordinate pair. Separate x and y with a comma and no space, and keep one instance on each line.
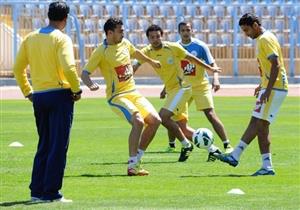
(203,138)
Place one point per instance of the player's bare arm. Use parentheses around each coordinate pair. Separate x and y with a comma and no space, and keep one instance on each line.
(196,60)
(142,57)
(273,75)
(135,66)
(86,79)
(215,82)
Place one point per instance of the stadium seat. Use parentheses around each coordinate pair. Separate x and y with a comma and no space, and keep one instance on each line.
(151,10)
(240,39)
(131,24)
(191,11)
(98,10)
(173,37)
(134,38)
(85,11)
(226,25)
(287,10)
(137,10)
(219,11)
(267,23)
(158,21)
(212,39)
(206,11)
(37,23)
(93,39)
(143,24)
(279,25)
(197,25)
(245,9)
(165,10)
(101,24)
(89,25)
(230,11)
(212,25)
(171,25)
(226,39)
(259,10)
(144,40)
(201,36)
(272,10)
(178,10)
(111,10)
(281,38)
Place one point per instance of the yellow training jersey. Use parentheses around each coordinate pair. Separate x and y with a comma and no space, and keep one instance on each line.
(195,75)
(169,57)
(50,55)
(115,66)
(268,46)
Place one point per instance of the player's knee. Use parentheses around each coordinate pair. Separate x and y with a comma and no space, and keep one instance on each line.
(262,127)
(210,114)
(138,120)
(165,116)
(153,120)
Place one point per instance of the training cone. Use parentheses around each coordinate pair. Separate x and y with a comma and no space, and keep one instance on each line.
(16,144)
(236,192)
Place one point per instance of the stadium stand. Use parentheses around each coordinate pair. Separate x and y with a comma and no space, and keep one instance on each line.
(213,21)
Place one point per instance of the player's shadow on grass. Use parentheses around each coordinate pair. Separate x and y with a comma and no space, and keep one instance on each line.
(97,175)
(162,152)
(213,176)
(125,163)
(14,203)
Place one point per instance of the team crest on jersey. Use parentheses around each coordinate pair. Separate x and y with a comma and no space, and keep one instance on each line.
(188,68)
(124,72)
(194,53)
(170,60)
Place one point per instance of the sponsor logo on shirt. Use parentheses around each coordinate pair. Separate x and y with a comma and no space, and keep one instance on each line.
(188,68)
(124,72)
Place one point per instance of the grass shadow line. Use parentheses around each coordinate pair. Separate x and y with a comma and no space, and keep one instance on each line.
(97,175)
(213,176)
(14,203)
(124,163)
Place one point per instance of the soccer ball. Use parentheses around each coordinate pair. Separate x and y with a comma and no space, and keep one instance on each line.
(203,138)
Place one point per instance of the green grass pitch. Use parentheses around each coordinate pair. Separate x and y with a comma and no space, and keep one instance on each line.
(95,176)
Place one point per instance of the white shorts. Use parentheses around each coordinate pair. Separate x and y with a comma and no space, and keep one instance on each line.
(268,111)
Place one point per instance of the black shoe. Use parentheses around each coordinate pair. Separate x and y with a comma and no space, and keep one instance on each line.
(185,153)
(212,156)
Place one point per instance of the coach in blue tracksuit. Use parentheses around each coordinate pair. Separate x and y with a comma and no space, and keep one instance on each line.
(55,87)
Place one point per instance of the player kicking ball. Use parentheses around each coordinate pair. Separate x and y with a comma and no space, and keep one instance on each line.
(270,94)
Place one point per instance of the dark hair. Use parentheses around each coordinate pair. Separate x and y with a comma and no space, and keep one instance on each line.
(58,11)
(249,19)
(182,24)
(111,24)
(154,27)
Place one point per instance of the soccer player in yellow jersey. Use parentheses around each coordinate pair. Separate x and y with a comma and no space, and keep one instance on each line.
(55,87)
(169,54)
(197,77)
(113,58)
(270,94)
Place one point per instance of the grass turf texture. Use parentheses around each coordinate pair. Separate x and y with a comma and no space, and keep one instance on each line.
(95,176)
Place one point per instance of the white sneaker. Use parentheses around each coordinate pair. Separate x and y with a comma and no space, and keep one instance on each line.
(62,200)
(35,199)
